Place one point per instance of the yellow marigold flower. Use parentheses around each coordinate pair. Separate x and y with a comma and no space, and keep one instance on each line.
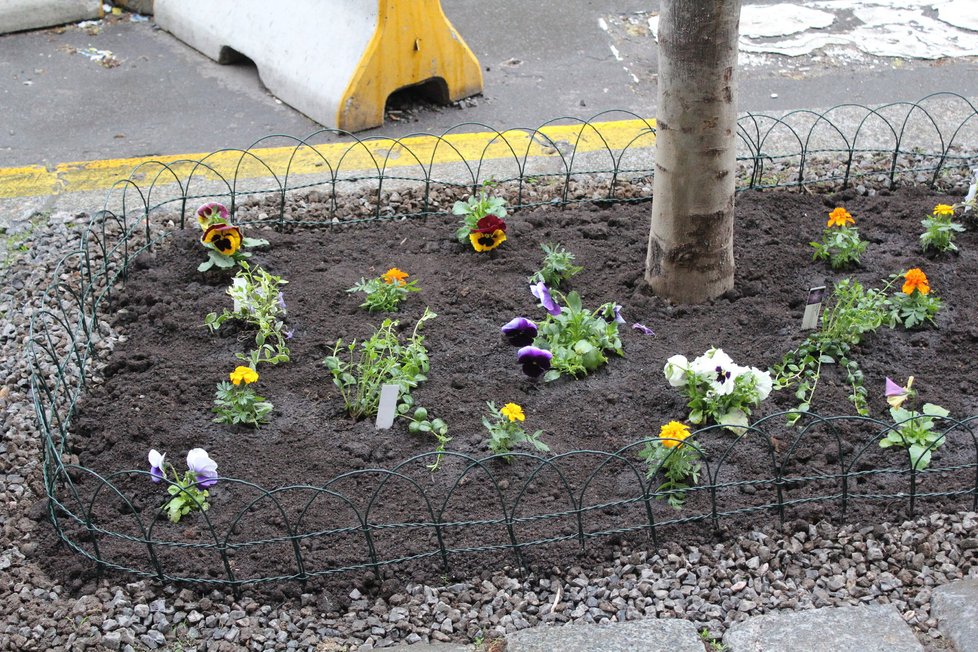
(943,209)
(394,276)
(513,412)
(840,217)
(915,279)
(487,241)
(672,434)
(244,375)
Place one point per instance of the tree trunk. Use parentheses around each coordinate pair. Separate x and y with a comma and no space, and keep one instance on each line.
(690,255)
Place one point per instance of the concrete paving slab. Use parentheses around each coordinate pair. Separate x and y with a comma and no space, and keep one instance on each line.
(634,636)
(434,647)
(872,628)
(20,15)
(955,606)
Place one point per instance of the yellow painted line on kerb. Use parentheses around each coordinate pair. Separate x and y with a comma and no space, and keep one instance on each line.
(345,158)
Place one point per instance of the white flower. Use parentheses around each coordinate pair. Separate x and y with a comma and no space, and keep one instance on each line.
(202,466)
(763,383)
(156,464)
(676,369)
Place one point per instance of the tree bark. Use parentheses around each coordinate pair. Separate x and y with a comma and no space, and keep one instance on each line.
(690,255)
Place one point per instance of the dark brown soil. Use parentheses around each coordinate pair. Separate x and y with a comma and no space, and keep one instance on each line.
(159,387)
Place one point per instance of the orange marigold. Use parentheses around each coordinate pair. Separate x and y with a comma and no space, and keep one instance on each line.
(673,433)
(840,217)
(915,279)
(394,276)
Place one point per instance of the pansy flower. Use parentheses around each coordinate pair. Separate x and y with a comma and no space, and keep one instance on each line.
(673,433)
(156,460)
(203,467)
(280,300)
(642,328)
(535,361)
(840,217)
(540,291)
(210,214)
(896,395)
(489,233)
(915,279)
(513,412)
(244,375)
(520,331)
(225,238)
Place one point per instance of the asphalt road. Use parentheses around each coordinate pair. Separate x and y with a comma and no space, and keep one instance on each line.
(62,99)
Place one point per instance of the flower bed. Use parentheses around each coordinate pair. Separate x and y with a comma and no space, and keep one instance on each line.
(342,507)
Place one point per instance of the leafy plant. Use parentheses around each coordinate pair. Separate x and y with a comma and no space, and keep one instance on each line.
(382,359)
(939,230)
(237,403)
(505,432)
(476,208)
(558,266)
(913,304)
(852,312)
(189,491)
(717,388)
(913,430)
(385,292)
(257,301)
(224,241)
(840,244)
(678,462)
(577,339)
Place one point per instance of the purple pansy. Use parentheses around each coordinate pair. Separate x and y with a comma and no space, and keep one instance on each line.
(642,328)
(289,333)
(212,213)
(281,301)
(535,361)
(520,331)
(540,291)
(156,464)
(618,318)
(203,467)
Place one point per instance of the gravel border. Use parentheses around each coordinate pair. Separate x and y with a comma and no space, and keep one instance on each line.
(801,566)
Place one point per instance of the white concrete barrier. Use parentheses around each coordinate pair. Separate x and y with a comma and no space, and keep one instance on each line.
(20,15)
(335,61)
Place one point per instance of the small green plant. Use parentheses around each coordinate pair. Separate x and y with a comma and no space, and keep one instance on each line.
(912,430)
(678,461)
(558,266)
(474,209)
(840,244)
(852,312)
(577,339)
(237,403)
(939,230)
(190,491)
(717,388)
(913,304)
(712,643)
(385,292)
(382,359)
(224,241)
(258,301)
(505,432)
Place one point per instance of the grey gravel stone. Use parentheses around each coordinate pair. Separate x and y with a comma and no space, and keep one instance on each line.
(874,628)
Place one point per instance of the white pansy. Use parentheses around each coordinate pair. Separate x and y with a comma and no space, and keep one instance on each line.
(676,369)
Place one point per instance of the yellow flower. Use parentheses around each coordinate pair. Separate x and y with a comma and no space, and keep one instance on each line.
(225,238)
(245,375)
(513,412)
(487,241)
(672,434)
(915,279)
(840,217)
(394,276)
(943,209)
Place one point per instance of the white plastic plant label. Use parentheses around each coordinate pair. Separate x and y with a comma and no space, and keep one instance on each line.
(813,306)
(388,406)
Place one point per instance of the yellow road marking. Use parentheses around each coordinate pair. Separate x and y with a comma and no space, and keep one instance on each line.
(372,155)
